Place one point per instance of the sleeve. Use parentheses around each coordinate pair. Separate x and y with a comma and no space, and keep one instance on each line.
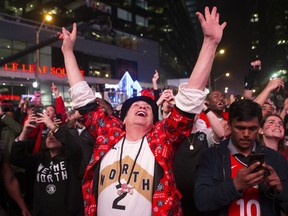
(69,138)
(250,79)
(81,95)
(60,108)
(12,124)
(156,94)
(210,185)
(190,100)
(20,157)
(280,165)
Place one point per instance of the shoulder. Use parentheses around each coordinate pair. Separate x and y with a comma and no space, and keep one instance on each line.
(274,158)
(220,149)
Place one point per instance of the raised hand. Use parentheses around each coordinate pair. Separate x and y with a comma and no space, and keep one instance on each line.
(167,95)
(55,90)
(68,38)
(155,76)
(29,125)
(43,118)
(211,28)
(73,72)
(275,84)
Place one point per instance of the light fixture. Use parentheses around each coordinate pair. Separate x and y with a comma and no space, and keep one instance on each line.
(35,84)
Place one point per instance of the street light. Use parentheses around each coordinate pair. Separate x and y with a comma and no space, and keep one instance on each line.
(211,85)
(219,77)
(222,75)
(47,18)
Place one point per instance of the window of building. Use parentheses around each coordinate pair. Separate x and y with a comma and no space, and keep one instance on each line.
(18,45)
(45,56)
(282,42)
(124,15)
(10,47)
(5,48)
(142,4)
(101,67)
(254,18)
(141,21)
(30,6)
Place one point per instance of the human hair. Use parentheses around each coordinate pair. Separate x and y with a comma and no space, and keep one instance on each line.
(208,96)
(51,106)
(281,144)
(244,110)
(62,152)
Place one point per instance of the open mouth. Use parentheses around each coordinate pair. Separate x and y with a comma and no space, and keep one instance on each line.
(221,104)
(141,114)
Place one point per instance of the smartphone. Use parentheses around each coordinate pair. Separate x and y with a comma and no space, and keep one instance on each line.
(59,116)
(257,157)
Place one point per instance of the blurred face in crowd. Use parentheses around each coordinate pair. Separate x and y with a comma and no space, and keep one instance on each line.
(51,142)
(140,113)
(167,106)
(267,109)
(273,128)
(10,113)
(30,110)
(216,101)
(50,111)
(243,134)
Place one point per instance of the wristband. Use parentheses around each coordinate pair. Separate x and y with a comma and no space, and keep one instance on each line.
(206,111)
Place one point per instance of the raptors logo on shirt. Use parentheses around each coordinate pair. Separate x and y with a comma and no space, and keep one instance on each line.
(248,204)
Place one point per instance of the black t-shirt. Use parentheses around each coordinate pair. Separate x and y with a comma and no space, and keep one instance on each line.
(56,185)
(185,165)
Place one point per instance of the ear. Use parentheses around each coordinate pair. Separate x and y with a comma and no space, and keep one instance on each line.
(261,131)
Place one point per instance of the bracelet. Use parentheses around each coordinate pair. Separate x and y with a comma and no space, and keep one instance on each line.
(206,111)
(55,128)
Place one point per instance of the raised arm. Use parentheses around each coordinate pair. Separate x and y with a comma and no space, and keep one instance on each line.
(154,80)
(155,85)
(274,84)
(213,32)
(59,103)
(284,110)
(255,67)
(72,69)
(216,126)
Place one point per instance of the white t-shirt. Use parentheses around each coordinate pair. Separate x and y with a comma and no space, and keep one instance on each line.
(140,199)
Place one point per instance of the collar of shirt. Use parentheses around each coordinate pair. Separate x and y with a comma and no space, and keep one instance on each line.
(236,153)
(80,130)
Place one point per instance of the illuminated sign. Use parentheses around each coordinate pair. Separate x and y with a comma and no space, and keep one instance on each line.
(31,68)
(9,97)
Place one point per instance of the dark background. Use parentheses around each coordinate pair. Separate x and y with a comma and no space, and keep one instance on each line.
(235,41)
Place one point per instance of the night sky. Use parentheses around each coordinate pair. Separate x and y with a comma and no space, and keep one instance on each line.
(235,42)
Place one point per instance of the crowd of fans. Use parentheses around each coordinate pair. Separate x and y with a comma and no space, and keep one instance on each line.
(47,154)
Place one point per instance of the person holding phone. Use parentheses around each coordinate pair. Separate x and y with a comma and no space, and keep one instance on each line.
(228,184)
(54,170)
